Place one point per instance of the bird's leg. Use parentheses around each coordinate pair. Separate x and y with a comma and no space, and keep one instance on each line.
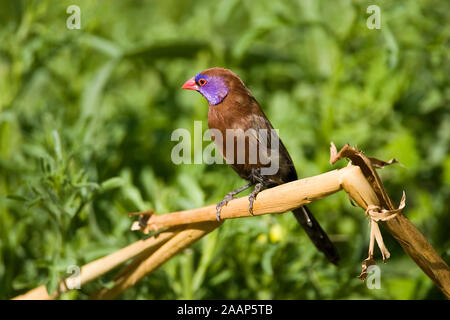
(252,196)
(261,182)
(229,197)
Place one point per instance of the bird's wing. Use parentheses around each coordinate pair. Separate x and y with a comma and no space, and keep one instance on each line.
(270,147)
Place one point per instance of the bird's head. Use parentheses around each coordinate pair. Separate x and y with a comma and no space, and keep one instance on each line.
(214,84)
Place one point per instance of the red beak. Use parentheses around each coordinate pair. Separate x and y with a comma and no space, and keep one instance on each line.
(190,84)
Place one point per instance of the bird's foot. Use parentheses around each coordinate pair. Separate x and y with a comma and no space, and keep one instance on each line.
(252,196)
(230,196)
(222,203)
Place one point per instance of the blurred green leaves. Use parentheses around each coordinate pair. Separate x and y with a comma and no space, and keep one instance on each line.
(86,117)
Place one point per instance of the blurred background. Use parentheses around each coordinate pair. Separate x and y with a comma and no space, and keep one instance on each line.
(86,118)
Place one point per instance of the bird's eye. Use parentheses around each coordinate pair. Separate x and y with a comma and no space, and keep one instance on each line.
(202,82)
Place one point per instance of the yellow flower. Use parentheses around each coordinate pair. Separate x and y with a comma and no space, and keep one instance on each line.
(276,233)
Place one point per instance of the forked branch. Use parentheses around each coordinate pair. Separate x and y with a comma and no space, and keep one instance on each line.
(359,179)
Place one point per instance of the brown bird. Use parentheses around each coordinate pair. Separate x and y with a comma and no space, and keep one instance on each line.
(257,154)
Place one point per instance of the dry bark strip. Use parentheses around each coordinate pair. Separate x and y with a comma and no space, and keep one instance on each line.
(411,240)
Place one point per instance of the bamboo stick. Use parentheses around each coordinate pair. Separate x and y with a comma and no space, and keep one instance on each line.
(359,180)
(279,199)
(363,185)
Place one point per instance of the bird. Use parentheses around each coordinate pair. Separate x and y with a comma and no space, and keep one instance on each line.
(232,108)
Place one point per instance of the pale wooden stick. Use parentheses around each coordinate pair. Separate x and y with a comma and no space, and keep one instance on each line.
(133,274)
(360,181)
(279,199)
(100,266)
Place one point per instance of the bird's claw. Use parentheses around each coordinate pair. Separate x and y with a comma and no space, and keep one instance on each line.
(222,203)
(250,207)
(252,196)
(251,199)
(219,208)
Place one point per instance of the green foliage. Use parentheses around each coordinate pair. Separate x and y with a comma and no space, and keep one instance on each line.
(86,118)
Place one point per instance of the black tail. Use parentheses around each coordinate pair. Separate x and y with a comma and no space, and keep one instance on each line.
(316,233)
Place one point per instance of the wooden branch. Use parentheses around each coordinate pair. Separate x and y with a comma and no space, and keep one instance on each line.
(420,251)
(279,199)
(363,185)
(359,180)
